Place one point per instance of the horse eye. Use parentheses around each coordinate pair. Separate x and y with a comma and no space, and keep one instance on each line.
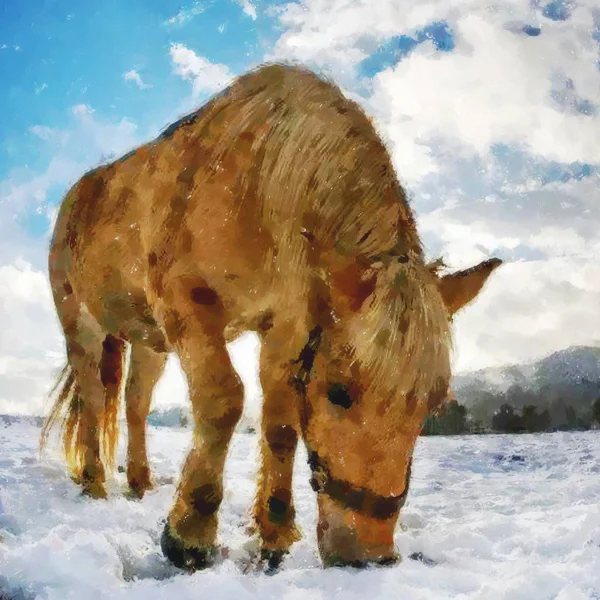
(338,395)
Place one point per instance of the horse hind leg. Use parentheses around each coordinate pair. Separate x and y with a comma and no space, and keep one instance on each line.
(145,369)
(87,403)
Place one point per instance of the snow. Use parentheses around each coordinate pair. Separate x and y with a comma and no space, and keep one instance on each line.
(493,517)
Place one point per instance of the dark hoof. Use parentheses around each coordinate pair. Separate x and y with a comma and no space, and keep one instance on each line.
(271,560)
(183,557)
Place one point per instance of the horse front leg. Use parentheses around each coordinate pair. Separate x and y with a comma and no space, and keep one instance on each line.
(274,512)
(217,397)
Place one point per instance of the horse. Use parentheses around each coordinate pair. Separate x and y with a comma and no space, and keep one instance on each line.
(272,208)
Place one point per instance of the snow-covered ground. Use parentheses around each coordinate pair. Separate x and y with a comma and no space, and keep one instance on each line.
(494,517)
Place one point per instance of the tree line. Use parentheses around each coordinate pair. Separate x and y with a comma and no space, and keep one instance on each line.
(453,418)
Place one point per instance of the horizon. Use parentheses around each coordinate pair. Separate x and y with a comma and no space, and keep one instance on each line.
(504,162)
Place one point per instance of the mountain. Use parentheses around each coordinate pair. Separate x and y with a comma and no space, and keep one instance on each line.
(568,378)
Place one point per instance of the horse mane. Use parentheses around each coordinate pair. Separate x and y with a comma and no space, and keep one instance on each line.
(403,340)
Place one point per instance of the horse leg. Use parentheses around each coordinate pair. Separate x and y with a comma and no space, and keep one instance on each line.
(145,369)
(274,511)
(217,401)
(95,360)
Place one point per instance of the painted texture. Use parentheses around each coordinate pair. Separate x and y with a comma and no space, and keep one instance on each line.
(273,208)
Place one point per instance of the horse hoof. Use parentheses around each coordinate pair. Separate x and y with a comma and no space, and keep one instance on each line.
(136,492)
(271,560)
(94,490)
(182,556)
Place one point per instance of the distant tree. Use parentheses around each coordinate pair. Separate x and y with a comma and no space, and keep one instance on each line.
(503,417)
(596,411)
(454,418)
(449,419)
(571,417)
(532,421)
(544,420)
(530,417)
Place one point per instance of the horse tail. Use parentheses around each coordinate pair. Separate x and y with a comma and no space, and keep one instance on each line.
(111,374)
(66,413)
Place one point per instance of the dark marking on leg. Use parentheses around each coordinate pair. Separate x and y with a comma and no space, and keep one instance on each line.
(152,259)
(230,418)
(68,288)
(206,499)
(278,509)
(282,439)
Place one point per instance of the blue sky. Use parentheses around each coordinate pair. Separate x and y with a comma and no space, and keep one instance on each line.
(57,54)
(76,53)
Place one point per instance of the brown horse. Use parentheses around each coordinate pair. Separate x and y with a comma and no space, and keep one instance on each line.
(273,208)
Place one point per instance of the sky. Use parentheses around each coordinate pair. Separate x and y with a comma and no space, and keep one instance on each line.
(491,112)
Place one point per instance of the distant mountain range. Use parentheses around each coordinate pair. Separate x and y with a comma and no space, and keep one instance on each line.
(565,383)
(568,378)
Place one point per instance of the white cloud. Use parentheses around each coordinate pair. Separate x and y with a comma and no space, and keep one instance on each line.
(248,8)
(206,77)
(81,109)
(185,14)
(134,76)
(30,348)
(84,144)
(528,310)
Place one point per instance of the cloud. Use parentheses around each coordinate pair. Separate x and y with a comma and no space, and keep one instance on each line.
(30,349)
(81,109)
(248,8)
(528,310)
(206,77)
(134,76)
(87,141)
(185,14)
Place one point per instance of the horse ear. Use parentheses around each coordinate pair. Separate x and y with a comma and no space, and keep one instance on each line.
(458,289)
